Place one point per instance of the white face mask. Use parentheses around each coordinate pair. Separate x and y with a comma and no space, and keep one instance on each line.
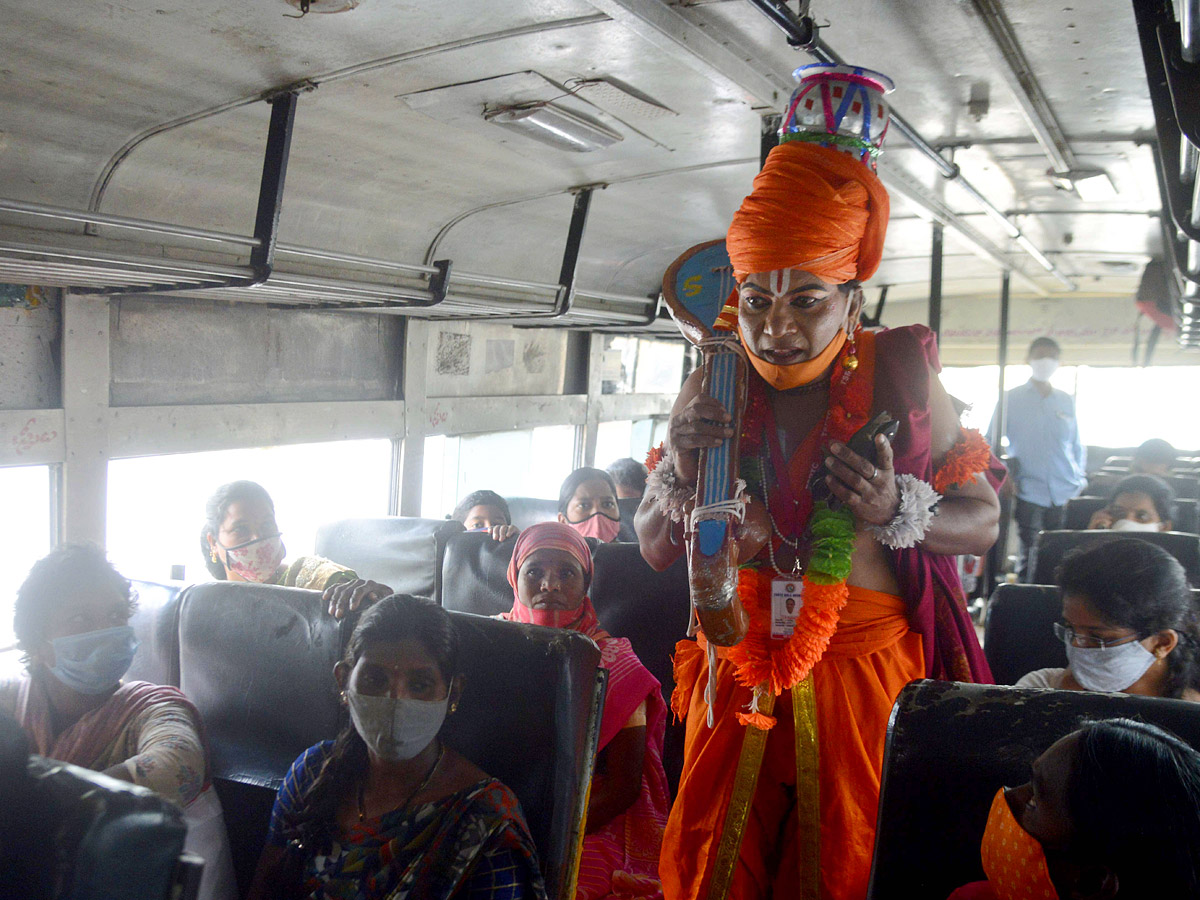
(1109,669)
(1043,368)
(396,728)
(1130,525)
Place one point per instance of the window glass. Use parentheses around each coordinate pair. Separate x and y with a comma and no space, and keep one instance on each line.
(1115,407)
(156,503)
(26,493)
(633,438)
(644,366)
(528,463)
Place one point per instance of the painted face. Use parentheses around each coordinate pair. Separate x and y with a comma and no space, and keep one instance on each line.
(480,518)
(399,670)
(591,497)
(789,316)
(1134,506)
(551,579)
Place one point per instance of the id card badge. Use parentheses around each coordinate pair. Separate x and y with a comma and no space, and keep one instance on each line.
(786,602)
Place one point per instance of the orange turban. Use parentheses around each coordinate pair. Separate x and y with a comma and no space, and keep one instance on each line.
(811,208)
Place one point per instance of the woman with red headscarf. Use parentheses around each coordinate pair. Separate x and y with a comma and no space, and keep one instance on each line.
(550,572)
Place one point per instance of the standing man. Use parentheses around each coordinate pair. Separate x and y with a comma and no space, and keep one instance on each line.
(1043,437)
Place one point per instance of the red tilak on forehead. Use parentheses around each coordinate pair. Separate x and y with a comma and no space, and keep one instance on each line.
(779,282)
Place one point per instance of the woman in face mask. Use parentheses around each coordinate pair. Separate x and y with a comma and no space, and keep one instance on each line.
(1139,503)
(1112,811)
(387,810)
(550,571)
(241,541)
(72,623)
(588,503)
(1129,624)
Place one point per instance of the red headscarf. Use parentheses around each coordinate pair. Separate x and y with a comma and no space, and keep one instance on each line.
(553,536)
(812,208)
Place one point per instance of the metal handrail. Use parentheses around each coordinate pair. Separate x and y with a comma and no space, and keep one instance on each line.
(42,210)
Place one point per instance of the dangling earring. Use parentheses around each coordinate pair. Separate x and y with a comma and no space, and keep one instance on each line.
(850,363)
(454,707)
(215,558)
(343,697)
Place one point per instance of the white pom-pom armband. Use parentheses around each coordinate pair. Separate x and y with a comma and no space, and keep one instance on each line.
(918,502)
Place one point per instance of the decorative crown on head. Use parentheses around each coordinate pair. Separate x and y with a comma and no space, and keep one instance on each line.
(840,107)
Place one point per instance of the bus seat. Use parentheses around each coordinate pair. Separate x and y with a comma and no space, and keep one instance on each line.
(1079,511)
(404,553)
(526,511)
(651,609)
(950,747)
(473,577)
(1051,546)
(105,838)
(530,716)
(629,507)
(156,624)
(1019,633)
(257,660)
(1185,487)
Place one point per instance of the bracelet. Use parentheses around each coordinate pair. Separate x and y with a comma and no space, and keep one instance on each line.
(663,485)
(918,501)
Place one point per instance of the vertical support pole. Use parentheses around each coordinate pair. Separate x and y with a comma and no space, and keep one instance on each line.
(769,138)
(1002,359)
(935,281)
(418,334)
(570,261)
(85,387)
(270,190)
(998,552)
(591,433)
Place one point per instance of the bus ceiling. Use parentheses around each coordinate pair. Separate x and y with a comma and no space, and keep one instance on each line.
(144,148)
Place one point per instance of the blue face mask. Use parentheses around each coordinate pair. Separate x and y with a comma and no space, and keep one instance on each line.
(93,662)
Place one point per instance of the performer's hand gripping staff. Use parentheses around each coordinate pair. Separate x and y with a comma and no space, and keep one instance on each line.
(704,441)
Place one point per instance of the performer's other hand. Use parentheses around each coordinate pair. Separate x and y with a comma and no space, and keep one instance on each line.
(868,490)
(704,422)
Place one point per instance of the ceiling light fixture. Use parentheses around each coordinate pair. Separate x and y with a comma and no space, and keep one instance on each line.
(554,125)
(1092,185)
(321,6)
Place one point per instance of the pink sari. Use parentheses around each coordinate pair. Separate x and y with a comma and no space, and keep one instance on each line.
(619,861)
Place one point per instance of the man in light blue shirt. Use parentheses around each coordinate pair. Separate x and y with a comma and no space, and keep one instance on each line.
(1043,437)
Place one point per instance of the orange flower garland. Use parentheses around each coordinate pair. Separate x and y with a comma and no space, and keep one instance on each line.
(966,459)
(654,457)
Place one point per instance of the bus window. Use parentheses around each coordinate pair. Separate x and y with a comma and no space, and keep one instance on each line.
(26,493)
(1123,407)
(529,463)
(156,503)
(635,365)
(978,387)
(633,438)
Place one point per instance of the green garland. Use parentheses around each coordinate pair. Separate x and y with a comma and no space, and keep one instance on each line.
(833,544)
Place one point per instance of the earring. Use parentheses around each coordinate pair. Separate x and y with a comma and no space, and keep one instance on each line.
(850,363)
(215,558)
(343,696)
(454,707)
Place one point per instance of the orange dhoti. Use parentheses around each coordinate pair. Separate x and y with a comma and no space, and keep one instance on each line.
(871,657)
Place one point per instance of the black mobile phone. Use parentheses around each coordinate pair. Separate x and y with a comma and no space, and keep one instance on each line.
(863,443)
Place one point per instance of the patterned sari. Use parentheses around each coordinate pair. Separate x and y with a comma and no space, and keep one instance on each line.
(472,845)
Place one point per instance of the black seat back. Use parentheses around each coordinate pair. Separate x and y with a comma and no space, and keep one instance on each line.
(258,661)
(403,553)
(474,574)
(1185,487)
(951,746)
(104,838)
(1186,516)
(1052,546)
(526,511)
(1019,633)
(156,623)
(629,507)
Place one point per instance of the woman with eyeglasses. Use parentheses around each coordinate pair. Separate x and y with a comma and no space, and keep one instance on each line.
(1129,624)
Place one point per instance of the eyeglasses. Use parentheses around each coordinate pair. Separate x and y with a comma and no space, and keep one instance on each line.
(1072,638)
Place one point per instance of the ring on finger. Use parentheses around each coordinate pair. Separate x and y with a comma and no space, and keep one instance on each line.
(874,472)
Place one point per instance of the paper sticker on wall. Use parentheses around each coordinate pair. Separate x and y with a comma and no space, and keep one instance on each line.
(453,353)
(534,358)
(500,355)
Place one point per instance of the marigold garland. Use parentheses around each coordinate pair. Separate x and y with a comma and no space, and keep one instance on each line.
(966,459)
(654,457)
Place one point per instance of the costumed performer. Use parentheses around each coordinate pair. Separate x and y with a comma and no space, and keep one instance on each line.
(785,733)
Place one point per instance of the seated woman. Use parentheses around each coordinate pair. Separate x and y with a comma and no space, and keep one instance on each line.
(387,810)
(587,502)
(241,541)
(1112,811)
(485,511)
(550,572)
(72,623)
(1138,503)
(1129,624)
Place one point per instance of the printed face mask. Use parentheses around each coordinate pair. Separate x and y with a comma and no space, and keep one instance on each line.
(93,662)
(599,526)
(396,728)
(1109,669)
(1013,859)
(1130,525)
(1043,368)
(256,560)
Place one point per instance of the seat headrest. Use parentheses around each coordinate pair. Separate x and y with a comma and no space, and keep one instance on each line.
(474,574)
(398,551)
(156,624)
(528,511)
(1052,546)
(1019,634)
